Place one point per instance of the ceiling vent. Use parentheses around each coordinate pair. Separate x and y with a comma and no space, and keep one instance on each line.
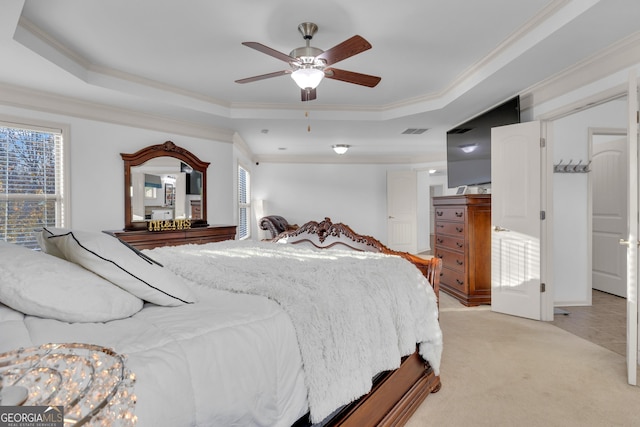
(414,131)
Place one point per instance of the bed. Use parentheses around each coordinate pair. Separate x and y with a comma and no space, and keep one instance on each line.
(238,332)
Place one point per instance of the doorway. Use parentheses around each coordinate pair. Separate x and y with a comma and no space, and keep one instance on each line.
(609,203)
(572,219)
(590,251)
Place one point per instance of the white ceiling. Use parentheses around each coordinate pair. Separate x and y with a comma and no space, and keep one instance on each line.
(441,63)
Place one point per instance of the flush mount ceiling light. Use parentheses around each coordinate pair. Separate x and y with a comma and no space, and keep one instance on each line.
(340,148)
(468,148)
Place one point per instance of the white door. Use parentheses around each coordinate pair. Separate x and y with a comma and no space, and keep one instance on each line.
(631,241)
(402,222)
(609,178)
(515,219)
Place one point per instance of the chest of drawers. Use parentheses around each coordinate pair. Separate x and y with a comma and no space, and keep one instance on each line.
(462,240)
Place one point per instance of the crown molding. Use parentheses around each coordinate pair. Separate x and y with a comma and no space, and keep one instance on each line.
(622,54)
(55,104)
(242,147)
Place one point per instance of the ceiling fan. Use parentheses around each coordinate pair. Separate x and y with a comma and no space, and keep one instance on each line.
(309,65)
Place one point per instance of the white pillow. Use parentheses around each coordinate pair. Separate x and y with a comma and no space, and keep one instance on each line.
(110,258)
(48,247)
(46,286)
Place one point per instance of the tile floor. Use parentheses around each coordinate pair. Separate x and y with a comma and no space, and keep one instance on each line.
(604,323)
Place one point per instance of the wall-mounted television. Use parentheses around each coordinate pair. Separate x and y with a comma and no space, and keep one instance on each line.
(193,179)
(469,145)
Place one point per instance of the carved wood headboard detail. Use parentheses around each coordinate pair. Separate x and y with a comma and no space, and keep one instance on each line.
(325,234)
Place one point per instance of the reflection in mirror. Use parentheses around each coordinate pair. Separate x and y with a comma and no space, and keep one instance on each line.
(164,182)
(165,188)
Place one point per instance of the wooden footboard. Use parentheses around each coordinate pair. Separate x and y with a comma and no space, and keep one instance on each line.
(396,394)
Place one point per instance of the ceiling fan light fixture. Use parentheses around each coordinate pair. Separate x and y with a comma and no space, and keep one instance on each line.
(307,78)
(340,148)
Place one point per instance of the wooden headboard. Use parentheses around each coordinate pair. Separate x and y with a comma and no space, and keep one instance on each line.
(325,234)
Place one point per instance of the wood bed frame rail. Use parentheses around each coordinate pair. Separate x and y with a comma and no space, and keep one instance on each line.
(396,394)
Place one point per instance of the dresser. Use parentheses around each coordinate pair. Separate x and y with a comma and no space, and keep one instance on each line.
(462,228)
(143,239)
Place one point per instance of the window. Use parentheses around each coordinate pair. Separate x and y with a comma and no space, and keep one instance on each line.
(31,182)
(244,203)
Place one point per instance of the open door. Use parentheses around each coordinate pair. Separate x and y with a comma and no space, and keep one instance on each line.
(516,155)
(632,239)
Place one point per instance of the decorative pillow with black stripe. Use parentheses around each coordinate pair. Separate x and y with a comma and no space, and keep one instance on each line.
(46,286)
(108,257)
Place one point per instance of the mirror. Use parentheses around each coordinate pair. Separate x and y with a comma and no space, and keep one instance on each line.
(164,182)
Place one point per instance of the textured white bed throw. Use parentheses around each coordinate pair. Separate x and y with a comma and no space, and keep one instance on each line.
(356,314)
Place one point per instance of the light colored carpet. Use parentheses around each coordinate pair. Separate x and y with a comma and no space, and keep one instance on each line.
(500,370)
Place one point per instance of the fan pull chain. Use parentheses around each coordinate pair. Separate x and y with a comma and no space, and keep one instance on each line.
(306,114)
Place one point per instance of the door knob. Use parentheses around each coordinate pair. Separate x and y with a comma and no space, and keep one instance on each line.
(626,242)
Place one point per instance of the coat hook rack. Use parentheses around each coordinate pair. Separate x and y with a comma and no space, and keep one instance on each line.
(571,167)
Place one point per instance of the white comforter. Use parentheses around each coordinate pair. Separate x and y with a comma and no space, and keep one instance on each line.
(229,360)
(355,313)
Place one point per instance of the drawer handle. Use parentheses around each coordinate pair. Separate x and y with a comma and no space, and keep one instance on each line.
(440,226)
(459,262)
(458,244)
(439,240)
(459,282)
(439,213)
(440,256)
(459,229)
(459,214)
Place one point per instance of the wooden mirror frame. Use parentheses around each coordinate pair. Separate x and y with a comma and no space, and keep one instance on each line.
(168,149)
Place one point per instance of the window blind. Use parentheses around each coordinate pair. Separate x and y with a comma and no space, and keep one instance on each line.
(31,182)
(244,205)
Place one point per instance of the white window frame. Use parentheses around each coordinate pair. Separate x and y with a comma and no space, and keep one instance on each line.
(62,187)
(244,204)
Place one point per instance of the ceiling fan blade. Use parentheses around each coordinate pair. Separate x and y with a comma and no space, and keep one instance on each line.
(352,77)
(307,94)
(271,52)
(344,50)
(264,76)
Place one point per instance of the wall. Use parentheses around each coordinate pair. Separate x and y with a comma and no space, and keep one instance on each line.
(97,177)
(354,194)
(351,193)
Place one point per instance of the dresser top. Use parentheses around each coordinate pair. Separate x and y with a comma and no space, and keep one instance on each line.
(465,199)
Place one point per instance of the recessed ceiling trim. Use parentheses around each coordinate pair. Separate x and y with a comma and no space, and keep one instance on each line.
(622,54)
(548,20)
(55,104)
